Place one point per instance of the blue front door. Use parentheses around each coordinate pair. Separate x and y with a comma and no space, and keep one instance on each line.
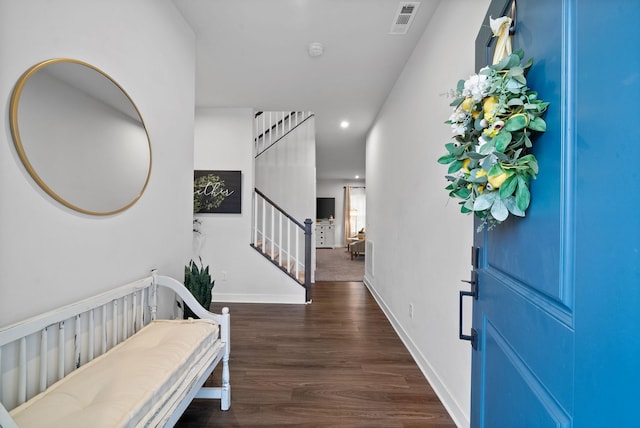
(558,308)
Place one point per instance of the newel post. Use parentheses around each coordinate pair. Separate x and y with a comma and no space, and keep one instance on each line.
(307,259)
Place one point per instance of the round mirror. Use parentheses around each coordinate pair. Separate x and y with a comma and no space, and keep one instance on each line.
(80,136)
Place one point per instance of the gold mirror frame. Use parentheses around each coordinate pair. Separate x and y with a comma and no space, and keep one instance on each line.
(32,170)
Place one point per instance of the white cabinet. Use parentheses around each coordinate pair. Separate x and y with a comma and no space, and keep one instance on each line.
(325,235)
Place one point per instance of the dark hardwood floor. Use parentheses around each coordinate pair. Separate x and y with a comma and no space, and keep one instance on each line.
(334,363)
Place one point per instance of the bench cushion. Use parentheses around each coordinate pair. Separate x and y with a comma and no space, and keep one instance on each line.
(130,383)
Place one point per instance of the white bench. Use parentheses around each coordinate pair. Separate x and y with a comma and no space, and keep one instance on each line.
(107,361)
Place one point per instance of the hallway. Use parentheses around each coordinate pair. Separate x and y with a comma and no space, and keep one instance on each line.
(334,363)
(336,264)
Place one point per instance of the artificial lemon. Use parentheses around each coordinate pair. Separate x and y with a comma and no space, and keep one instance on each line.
(465,165)
(467,105)
(497,180)
(490,107)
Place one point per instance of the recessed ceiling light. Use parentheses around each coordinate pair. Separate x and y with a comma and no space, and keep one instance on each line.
(357,176)
(344,124)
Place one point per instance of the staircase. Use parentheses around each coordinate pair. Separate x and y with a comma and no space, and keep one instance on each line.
(282,239)
(272,126)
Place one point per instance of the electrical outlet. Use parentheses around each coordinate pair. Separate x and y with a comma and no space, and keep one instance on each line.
(411,310)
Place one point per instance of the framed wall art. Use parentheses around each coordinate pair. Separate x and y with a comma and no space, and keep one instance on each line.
(217,192)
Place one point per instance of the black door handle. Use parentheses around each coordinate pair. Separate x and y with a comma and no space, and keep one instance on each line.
(473,337)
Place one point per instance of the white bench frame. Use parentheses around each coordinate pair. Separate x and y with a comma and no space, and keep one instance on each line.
(28,348)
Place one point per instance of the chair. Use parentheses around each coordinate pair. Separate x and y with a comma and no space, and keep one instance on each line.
(356,248)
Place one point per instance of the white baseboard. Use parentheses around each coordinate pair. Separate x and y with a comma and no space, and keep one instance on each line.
(258,298)
(456,413)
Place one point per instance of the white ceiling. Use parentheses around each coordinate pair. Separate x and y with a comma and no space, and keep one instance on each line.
(253,53)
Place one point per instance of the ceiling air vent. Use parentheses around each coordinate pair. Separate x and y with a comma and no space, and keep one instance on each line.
(404,17)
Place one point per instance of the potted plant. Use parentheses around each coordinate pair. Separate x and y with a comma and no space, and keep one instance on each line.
(198,281)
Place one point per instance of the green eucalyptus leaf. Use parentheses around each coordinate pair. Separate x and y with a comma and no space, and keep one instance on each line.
(520,78)
(543,105)
(515,71)
(511,205)
(475,155)
(514,86)
(508,187)
(496,169)
(519,53)
(460,86)
(527,141)
(473,176)
(488,148)
(515,102)
(502,64)
(514,60)
(459,151)
(523,196)
(457,102)
(529,63)
(516,122)
(516,154)
(501,157)
(499,210)
(484,201)
(502,140)
(488,162)
(450,147)
(468,205)
(446,159)
(455,166)
(538,124)
(462,193)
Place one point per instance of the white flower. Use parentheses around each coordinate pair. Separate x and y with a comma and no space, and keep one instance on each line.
(458,116)
(476,87)
(481,142)
(458,129)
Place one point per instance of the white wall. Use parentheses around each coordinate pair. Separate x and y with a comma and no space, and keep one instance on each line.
(334,188)
(286,172)
(224,141)
(50,255)
(421,242)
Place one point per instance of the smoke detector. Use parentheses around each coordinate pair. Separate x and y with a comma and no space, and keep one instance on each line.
(404,17)
(315,49)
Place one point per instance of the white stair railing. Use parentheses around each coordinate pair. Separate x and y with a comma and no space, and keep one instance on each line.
(282,239)
(271,126)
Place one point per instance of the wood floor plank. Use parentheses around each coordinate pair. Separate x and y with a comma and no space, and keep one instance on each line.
(334,363)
